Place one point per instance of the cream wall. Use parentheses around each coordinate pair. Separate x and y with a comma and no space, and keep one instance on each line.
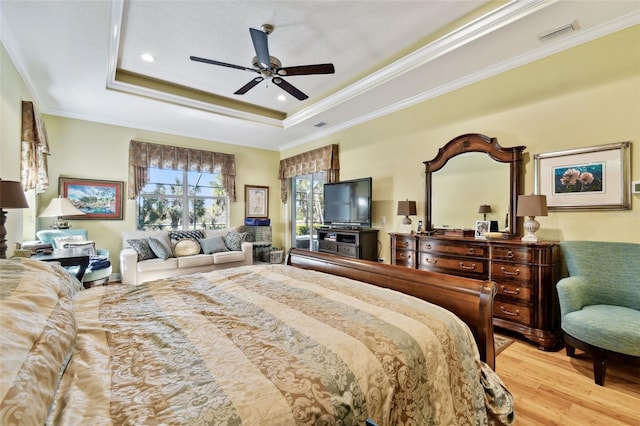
(587,96)
(84,149)
(12,92)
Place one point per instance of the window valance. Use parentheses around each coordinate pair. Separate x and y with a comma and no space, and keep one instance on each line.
(325,159)
(143,155)
(34,149)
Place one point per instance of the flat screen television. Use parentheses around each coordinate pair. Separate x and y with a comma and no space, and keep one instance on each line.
(348,203)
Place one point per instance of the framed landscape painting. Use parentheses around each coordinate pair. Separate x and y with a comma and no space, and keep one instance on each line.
(594,178)
(98,199)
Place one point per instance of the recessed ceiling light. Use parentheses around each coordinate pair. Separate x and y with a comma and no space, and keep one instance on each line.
(282,98)
(148,57)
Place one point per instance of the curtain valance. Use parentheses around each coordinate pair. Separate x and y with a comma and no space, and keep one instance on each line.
(143,155)
(325,159)
(34,149)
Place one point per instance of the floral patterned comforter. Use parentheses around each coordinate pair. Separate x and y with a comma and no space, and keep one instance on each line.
(271,345)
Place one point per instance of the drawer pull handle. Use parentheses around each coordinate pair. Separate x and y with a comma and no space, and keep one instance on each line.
(505,291)
(510,254)
(405,244)
(507,312)
(427,246)
(468,268)
(404,255)
(471,250)
(432,262)
(504,271)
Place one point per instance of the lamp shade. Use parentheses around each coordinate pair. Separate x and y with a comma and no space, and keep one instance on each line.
(532,205)
(61,207)
(407,208)
(484,208)
(12,195)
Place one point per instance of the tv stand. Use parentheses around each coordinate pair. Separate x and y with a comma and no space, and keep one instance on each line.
(359,243)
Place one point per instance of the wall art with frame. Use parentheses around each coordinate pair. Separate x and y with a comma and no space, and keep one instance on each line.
(596,178)
(98,199)
(256,201)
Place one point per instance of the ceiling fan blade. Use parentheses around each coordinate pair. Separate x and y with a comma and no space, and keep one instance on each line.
(287,87)
(261,45)
(250,85)
(307,69)
(222,64)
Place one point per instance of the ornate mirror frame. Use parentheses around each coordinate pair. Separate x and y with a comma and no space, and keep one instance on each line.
(475,142)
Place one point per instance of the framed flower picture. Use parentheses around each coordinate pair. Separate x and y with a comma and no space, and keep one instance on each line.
(586,178)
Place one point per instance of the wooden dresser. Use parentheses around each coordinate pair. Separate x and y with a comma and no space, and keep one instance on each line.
(525,274)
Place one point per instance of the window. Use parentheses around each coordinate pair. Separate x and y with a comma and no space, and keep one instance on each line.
(308,207)
(175,199)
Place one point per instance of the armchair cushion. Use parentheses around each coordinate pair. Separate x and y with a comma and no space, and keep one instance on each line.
(593,325)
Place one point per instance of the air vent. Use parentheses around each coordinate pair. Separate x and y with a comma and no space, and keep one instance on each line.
(557,32)
(320,124)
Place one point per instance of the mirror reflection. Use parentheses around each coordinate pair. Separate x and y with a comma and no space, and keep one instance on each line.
(466,182)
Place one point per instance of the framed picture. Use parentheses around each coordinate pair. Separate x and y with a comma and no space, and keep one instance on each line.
(256,201)
(482,226)
(98,199)
(596,178)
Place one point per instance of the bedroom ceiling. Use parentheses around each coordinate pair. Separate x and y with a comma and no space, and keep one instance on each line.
(82,59)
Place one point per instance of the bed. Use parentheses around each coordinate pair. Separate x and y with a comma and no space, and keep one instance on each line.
(306,343)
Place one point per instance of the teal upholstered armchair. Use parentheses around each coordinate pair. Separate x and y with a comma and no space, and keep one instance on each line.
(98,271)
(600,302)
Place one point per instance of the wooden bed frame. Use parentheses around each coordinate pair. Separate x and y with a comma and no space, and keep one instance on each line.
(471,300)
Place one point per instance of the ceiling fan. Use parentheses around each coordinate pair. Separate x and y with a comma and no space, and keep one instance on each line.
(270,67)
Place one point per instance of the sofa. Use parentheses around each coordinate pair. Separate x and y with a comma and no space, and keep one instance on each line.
(151,255)
(600,302)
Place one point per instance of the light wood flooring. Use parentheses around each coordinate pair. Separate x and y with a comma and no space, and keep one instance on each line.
(550,388)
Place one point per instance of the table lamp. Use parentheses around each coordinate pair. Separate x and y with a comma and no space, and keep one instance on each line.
(406,209)
(531,206)
(59,207)
(11,197)
(484,209)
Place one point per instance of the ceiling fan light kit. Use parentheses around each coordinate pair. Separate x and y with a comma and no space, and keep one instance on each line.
(269,66)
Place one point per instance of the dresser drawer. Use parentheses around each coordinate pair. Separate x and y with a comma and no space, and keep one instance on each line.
(467,267)
(515,254)
(348,250)
(513,312)
(514,291)
(401,242)
(405,258)
(510,271)
(447,247)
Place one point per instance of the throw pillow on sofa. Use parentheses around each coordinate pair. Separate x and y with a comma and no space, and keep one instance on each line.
(186,247)
(234,240)
(141,246)
(181,235)
(213,245)
(159,248)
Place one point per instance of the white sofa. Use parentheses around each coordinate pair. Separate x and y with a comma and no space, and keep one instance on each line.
(136,272)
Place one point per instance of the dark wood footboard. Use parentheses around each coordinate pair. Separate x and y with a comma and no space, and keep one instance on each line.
(471,300)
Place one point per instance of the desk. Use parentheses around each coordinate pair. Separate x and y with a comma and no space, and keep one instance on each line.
(81,261)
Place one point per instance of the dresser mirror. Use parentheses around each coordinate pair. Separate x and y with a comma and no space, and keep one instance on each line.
(469,171)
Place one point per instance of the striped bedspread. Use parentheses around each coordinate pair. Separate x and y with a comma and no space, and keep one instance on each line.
(268,345)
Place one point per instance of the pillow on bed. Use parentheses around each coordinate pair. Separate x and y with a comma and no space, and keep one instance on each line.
(141,245)
(186,247)
(38,333)
(159,248)
(234,240)
(213,245)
